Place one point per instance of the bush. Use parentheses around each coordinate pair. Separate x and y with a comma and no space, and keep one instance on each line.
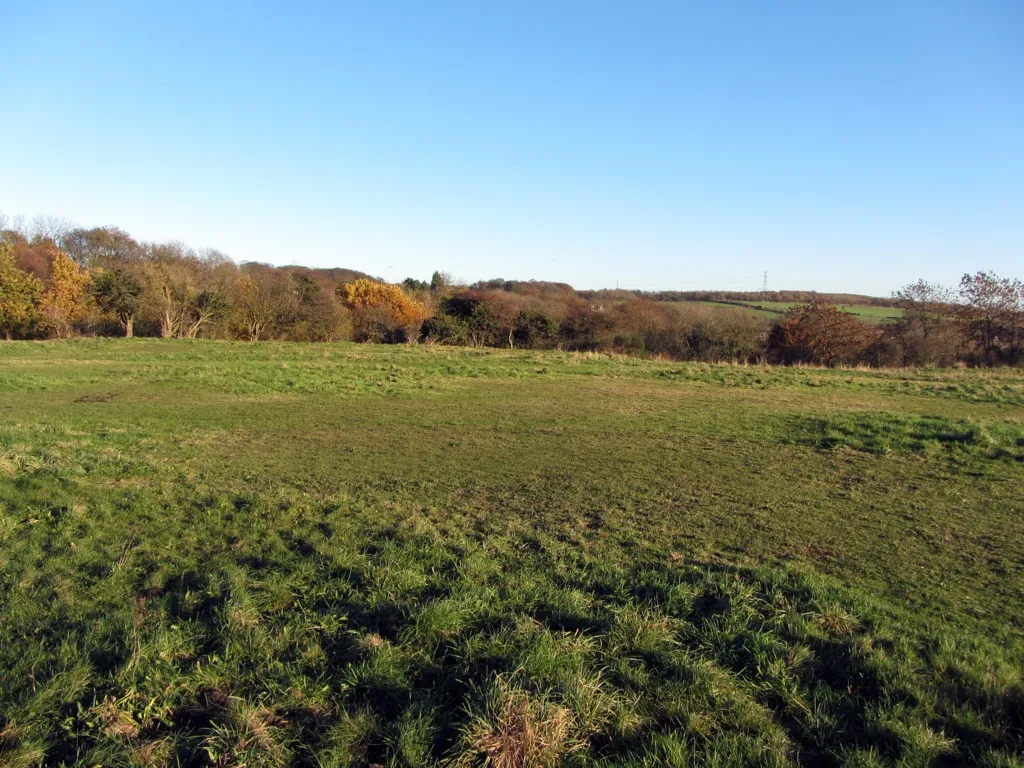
(535,330)
(445,329)
(377,325)
(586,329)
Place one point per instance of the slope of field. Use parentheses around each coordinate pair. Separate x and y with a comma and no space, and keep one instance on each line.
(773,310)
(272,554)
(864,311)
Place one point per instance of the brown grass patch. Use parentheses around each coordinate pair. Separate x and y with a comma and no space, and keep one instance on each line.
(116,723)
(520,730)
(837,622)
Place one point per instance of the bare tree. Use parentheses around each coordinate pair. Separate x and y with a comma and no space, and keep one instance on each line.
(168,290)
(927,332)
(263,297)
(203,309)
(993,314)
(101,247)
(924,303)
(49,227)
(213,258)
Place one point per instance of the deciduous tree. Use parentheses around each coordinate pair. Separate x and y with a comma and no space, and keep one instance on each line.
(823,333)
(101,247)
(169,290)
(926,333)
(315,315)
(992,313)
(186,293)
(65,301)
(586,328)
(117,293)
(925,304)
(439,281)
(19,292)
(262,300)
(534,329)
(382,311)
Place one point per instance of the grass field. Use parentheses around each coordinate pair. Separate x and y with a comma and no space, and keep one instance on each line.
(867,312)
(330,555)
(773,310)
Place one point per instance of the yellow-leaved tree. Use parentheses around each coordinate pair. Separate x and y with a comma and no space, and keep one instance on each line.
(65,302)
(382,312)
(19,292)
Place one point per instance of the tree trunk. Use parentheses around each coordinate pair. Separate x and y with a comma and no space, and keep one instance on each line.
(129,327)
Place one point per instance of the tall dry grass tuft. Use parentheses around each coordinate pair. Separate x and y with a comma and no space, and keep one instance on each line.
(518,729)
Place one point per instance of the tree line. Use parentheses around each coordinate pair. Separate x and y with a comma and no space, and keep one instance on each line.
(58,281)
(743,298)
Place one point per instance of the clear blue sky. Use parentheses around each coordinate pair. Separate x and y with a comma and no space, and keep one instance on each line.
(838,145)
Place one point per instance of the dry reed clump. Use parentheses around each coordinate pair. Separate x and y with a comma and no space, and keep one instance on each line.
(369,644)
(836,622)
(116,722)
(251,735)
(519,729)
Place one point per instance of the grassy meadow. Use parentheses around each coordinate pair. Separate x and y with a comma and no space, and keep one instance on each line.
(235,554)
(866,312)
(774,310)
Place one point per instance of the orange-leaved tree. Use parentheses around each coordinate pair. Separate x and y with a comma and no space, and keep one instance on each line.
(823,333)
(65,302)
(382,312)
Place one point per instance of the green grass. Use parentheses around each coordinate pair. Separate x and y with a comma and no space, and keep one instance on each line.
(867,312)
(274,554)
(773,310)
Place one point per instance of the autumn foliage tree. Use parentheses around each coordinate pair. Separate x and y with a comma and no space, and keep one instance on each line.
(56,280)
(382,312)
(822,333)
(19,292)
(65,302)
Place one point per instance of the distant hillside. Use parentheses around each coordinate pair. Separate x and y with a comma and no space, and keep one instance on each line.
(336,275)
(524,287)
(747,298)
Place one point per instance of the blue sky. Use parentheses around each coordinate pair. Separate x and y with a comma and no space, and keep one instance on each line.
(839,146)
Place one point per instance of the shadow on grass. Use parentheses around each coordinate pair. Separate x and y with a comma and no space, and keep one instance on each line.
(412,650)
(886,433)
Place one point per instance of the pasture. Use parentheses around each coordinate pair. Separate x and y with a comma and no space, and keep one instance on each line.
(228,554)
(866,312)
(774,310)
